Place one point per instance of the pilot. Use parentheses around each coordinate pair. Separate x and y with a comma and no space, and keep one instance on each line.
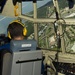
(15,31)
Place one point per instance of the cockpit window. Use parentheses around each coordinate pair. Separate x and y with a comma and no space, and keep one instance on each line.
(69,36)
(47,36)
(4,22)
(67,8)
(27,8)
(46,10)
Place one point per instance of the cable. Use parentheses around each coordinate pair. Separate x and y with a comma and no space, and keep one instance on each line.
(58,39)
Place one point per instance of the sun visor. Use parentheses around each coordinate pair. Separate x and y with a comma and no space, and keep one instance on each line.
(8,9)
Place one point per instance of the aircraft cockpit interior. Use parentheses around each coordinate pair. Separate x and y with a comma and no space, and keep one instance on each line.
(49,46)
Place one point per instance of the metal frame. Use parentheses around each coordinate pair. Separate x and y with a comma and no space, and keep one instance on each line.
(36,20)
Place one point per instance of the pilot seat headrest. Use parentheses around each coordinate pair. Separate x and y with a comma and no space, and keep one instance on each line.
(23,45)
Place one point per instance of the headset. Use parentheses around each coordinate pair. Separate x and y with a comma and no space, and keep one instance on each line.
(24,29)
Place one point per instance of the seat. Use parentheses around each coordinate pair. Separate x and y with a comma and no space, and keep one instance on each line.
(6,60)
(26,61)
